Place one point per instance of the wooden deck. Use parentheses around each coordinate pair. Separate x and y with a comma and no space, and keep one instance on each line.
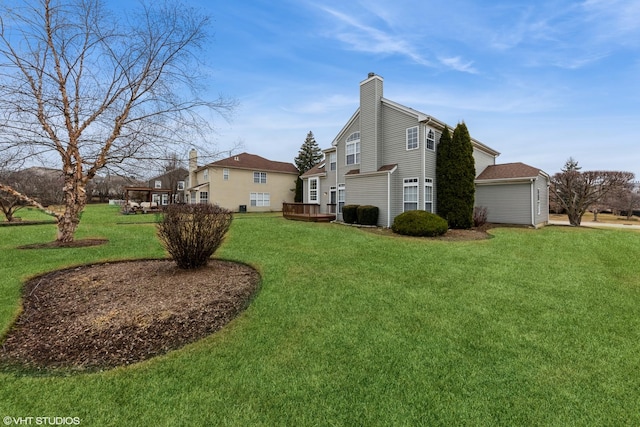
(305,212)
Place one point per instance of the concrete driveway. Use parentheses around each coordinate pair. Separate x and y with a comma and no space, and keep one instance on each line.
(597,224)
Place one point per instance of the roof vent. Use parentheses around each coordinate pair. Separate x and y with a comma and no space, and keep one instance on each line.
(236,158)
(371,74)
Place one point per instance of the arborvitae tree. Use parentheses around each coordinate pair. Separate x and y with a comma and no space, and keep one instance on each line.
(455,178)
(308,156)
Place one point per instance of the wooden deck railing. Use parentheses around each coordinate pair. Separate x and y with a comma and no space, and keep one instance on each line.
(305,211)
(300,209)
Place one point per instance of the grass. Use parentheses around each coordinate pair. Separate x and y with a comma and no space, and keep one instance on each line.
(531,327)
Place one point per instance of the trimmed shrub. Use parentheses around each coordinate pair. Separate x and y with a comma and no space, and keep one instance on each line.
(419,223)
(367,215)
(192,233)
(350,214)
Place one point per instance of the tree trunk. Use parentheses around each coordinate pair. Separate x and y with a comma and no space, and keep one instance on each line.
(574,218)
(75,199)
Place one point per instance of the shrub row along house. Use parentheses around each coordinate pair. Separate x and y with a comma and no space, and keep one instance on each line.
(385,156)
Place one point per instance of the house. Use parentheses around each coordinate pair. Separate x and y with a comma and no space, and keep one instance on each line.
(160,191)
(174,181)
(242,183)
(385,155)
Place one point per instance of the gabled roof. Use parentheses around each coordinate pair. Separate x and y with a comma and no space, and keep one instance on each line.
(421,117)
(253,162)
(318,169)
(508,171)
(174,173)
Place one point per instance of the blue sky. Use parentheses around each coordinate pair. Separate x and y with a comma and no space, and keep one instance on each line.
(538,81)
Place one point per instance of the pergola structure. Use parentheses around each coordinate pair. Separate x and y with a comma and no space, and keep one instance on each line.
(147,193)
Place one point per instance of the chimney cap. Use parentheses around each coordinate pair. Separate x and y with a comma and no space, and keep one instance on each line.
(371,74)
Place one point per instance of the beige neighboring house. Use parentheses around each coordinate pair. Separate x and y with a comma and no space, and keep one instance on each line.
(242,183)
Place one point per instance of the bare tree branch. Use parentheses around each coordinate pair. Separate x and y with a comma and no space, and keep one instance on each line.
(99,90)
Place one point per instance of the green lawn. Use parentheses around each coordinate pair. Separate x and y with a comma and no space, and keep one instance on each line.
(531,327)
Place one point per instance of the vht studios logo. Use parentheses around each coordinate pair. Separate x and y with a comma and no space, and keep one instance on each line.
(41,421)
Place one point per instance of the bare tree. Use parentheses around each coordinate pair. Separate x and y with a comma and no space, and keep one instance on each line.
(81,85)
(577,191)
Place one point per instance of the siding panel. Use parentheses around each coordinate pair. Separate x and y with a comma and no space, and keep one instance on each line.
(506,203)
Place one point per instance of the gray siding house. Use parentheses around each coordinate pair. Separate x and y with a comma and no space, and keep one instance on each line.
(385,155)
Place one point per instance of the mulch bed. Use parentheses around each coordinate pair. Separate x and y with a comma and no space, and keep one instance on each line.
(105,315)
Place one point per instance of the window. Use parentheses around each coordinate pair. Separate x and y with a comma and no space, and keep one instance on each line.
(259,199)
(313,190)
(260,177)
(158,184)
(353,149)
(193,198)
(332,161)
(332,200)
(412,138)
(205,174)
(180,185)
(428,195)
(430,139)
(204,197)
(155,198)
(165,199)
(225,174)
(538,200)
(410,194)
(341,197)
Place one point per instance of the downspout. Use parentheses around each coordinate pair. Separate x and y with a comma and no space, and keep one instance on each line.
(424,164)
(533,202)
(388,199)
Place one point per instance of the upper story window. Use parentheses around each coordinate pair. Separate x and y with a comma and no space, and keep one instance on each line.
(205,174)
(180,185)
(332,161)
(412,138)
(430,139)
(158,183)
(353,149)
(225,174)
(260,177)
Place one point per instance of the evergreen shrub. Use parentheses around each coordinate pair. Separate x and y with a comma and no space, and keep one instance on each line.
(419,223)
(350,214)
(367,215)
(192,233)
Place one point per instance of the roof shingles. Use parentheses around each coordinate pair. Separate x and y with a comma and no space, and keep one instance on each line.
(254,162)
(509,171)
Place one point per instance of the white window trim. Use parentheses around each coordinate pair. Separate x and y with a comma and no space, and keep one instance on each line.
(258,177)
(157,184)
(353,141)
(410,182)
(203,200)
(342,193)
(333,161)
(180,185)
(313,192)
(225,174)
(260,199)
(429,141)
(428,183)
(416,137)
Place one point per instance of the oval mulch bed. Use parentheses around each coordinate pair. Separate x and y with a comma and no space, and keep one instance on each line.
(106,315)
